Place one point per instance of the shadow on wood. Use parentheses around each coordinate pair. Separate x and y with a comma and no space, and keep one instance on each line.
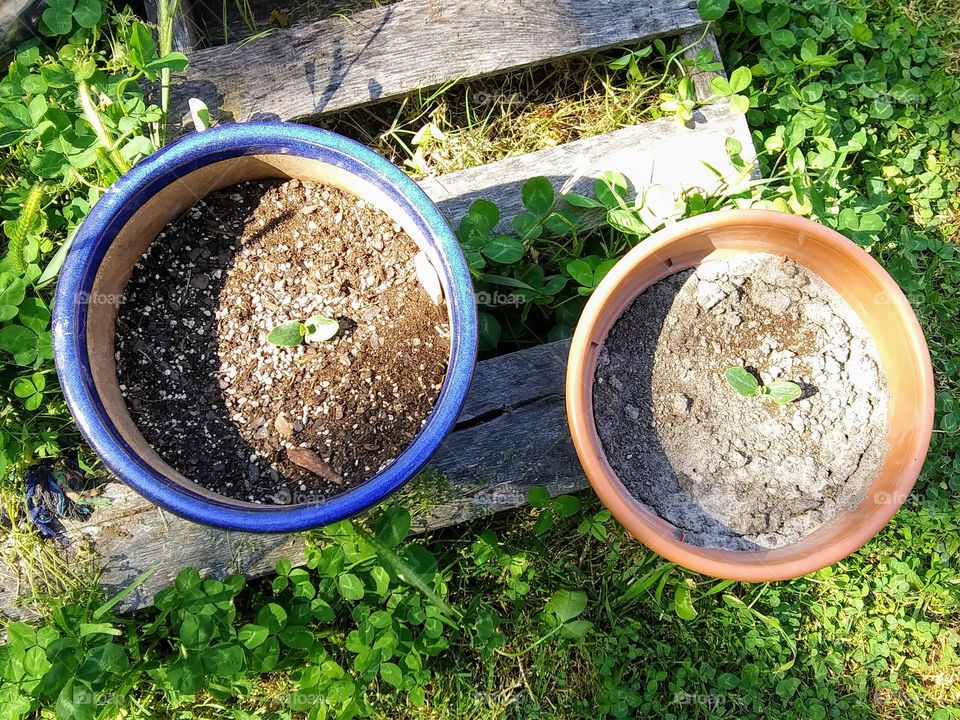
(341,62)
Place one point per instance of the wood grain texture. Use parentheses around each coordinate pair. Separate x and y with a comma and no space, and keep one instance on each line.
(247,18)
(340,62)
(662,159)
(515,403)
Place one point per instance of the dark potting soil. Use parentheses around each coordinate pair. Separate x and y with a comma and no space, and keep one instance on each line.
(730,471)
(265,423)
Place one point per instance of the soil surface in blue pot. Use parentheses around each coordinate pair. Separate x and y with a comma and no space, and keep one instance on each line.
(275,345)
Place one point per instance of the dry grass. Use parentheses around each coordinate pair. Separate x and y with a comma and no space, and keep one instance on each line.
(244,18)
(36,574)
(479,121)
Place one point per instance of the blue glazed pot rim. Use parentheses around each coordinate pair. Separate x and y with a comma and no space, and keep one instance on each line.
(118,205)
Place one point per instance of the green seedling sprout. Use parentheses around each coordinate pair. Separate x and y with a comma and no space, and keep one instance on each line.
(746,383)
(316,328)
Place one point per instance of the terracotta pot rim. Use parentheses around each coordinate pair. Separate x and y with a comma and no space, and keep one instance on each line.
(641,521)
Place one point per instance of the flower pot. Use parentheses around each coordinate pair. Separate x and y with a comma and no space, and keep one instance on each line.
(126,220)
(873,296)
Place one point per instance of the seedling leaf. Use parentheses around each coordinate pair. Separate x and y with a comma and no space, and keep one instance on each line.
(287,334)
(320,328)
(783,391)
(743,381)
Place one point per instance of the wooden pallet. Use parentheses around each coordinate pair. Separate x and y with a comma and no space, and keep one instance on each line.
(516,401)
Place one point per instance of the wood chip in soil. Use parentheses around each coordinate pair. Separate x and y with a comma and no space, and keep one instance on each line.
(221,404)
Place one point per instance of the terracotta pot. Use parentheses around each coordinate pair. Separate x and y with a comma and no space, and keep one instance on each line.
(876,299)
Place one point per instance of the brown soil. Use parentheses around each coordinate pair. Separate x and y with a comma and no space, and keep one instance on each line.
(230,410)
(731,471)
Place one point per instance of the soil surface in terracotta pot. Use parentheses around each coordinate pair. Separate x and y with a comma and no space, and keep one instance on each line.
(268,423)
(731,471)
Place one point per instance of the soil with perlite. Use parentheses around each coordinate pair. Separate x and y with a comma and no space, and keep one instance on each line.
(266,423)
(730,471)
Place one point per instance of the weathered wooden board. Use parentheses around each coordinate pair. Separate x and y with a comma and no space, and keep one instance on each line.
(515,403)
(662,159)
(695,41)
(340,62)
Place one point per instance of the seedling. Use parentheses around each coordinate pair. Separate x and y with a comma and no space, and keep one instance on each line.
(316,328)
(746,383)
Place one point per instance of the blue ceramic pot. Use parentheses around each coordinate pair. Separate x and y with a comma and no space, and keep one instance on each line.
(128,217)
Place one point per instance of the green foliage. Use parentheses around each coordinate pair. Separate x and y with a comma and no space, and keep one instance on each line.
(682,102)
(73,117)
(25,231)
(739,81)
(30,390)
(712,9)
(857,126)
(631,62)
(61,16)
(562,506)
(360,622)
(503,265)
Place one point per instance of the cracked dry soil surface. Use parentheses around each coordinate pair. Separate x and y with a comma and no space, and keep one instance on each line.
(739,472)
